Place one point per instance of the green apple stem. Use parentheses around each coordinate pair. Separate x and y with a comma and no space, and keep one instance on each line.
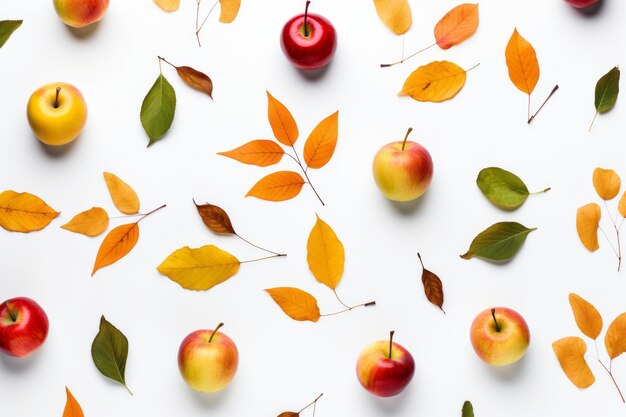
(493,314)
(13,315)
(408,132)
(306,15)
(391,342)
(312,403)
(56,98)
(215,331)
(408,57)
(530,119)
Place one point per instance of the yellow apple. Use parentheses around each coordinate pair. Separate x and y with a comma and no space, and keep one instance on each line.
(500,336)
(57,113)
(80,13)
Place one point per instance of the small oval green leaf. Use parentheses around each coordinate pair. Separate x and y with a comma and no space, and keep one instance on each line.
(7,27)
(158,108)
(502,188)
(499,242)
(468,409)
(109,351)
(607,90)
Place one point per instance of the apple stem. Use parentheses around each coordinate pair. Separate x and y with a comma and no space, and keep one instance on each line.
(408,57)
(306,15)
(13,316)
(311,403)
(56,98)
(493,314)
(391,342)
(215,331)
(408,132)
(530,119)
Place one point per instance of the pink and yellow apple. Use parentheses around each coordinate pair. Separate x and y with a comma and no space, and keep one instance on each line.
(403,170)
(23,326)
(208,360)
(500,336)
(80,13)
(581,4)
(385,368)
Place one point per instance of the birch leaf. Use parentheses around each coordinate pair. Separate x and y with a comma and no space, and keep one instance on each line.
(24,212)
(196,80)
(261,153)
(522,63)
(320,145)
(499,242)
(91,222)
(325,254)
(587,222)
(279,186)
(168,5)
(606,182)
(435,82)
(588,319)
(122,194)
(395,14)
(7,27)
(215,218)
(72,407)
(457,25)
(570,351)
(229,10)
(282,122)
(615,337)
(109,352)
(297,304)
(117,244)
(158,108)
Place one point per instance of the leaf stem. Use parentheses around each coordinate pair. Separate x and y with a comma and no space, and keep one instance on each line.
(619,391)
(530,119)
(420,258)
(151,212)
(56,98)
(166,61)
(593,121)
(199,28)
(472,67)
(609,241)
(391,333)
(371,303)
(493,314)
(310,404)
(408,132)
(308,180)
(339,299)
(541,192)
(262,259)
(13,315)
(408,57)
(259,247)
(219,326)
(128,389)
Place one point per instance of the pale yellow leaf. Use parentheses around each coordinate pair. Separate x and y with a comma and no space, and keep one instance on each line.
(229,10)
(72,407)
(395,14)
(297,304)
(91,222)
(325,254)
(615,338)
(570,351)
(117,244)
(24,212)
(124,197)
(168,5)
(587,318)
(606,182)
(436,82)
(587,221)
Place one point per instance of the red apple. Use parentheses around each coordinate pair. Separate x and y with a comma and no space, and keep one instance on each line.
(385,368)
(581,4)
(80,13)
(309,40)
(500,336)
(208,360)
(23,326)
(403,170)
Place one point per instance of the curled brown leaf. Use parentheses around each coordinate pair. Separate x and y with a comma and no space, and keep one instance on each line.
(215,218)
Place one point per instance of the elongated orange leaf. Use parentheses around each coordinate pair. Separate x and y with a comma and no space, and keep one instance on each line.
(168,5)
(521,60)
(124,197)
(320,146)
(260,152)
(72,407)
(587,222)
(282,122)
(436,82)
(606,182)
(279,186)
(395,14)
(297,304)
(621,206)
(117,244)
(24,212)
(215,218)
(325,254)
(196,80)
(229,10)
(587,318)
(615,338)
(91,222)
(570,351)
(457,25)
(200,268)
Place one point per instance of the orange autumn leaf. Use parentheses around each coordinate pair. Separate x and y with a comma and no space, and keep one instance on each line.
(395,14)
(279,186)
(621,206)
(117,244)
(124,197)
(282,122)
(195,79)
(570,351)
(229,10)
(606,182)
(72,407)
(587,222)
(436,82)
(24,212)
(457,25)
(91,222)
(261,153)
(297,304)
(320,145)
(325,254)
(522,63)
(587,318)
(168,5)
(615,338)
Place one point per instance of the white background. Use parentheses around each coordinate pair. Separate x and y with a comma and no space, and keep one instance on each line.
(284,364)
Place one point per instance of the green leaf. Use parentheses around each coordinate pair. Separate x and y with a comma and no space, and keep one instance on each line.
(607,90)
(158,108)
(502,188)
(499,242)
(468,410)
(109,351)
(7,27)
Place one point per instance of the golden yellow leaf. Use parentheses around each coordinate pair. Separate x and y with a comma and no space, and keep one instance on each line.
(606,182)
(279,186)
(570,351)
(124,197)
(117,244)
(91,222)
(282,122)
(229,10)
(320,145)
(168,5)
(395,14)
(261,153)
(615,337)
(621,206)
(24,212)
(587,318)
(437,81)
(72,408)
(325,254)
(587,221)
(457,25)
(297,304)
(521,60)
(200,268)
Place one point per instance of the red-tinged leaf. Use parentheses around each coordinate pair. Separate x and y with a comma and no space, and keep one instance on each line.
(457,25)
(196,80)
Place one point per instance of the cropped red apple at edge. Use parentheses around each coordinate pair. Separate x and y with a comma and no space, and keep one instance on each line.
(23,326)
(385,368)
(80,13)
(308,40)
(403,170)
(581,4)
(500,336)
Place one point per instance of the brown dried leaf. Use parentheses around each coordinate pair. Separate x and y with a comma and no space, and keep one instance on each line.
(570,351)
(433,288)
(615,338)
(587,318)
(196,80)
(91,222)
(117,244)
(215,218)
(297,304)
(124,197)
(260,152)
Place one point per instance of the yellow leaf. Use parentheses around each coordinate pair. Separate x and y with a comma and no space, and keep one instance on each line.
(570,351)
(72,408)
(124,197)
(587,317)
(168,5)
(521,60)
(89,223)
(621,206)
(457,25)
(587,221)
(320,145)
(606,182)
(615,338)
(229,10)
(437,81)
(261,153)
(24,212)
(282,122)
(297,304)
(279,186)
(117,244)
(395,14)
(325,254)
(200,268)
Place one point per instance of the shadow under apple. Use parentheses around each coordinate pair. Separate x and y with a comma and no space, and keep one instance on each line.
(84,32)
